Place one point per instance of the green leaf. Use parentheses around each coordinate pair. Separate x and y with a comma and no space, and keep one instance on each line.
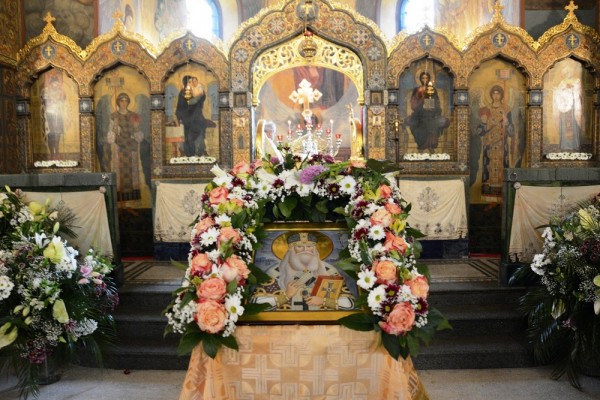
(179,265)
(321,206)
(348,264)
(211,345)
(188,341)
(287,206)
(260,275)
(391,344)
(229,341)
(232,286)
(383,167)
(255,308)
(359,322)
(413,345)
(340,210)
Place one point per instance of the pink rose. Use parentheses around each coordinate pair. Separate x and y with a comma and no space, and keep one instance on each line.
(242,169)
(234,268)
(385,271)
(211,316)
(204,224)
(400,320)
(418,286)
(200,264)
(228,233)
(385,191)
(393,208)
(212,289)
(381,217)
(218,195)
(393,242)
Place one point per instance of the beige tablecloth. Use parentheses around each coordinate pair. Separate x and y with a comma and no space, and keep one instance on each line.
(301,362)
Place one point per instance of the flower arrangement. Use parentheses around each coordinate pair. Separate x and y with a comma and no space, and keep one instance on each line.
(563,308)
(569,156)
(426,156)
(51,302)
(55,163)
(381,254)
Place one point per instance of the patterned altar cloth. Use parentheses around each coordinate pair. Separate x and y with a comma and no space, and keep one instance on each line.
(301,362)
(91,217)
(177,204)
(534,206)
(439,207)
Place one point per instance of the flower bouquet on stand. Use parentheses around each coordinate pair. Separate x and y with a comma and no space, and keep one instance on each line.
(53,304)
(563,307)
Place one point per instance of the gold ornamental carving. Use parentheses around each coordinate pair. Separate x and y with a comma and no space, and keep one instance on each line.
(288,55)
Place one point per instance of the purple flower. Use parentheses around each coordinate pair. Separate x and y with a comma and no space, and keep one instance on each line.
(308,174)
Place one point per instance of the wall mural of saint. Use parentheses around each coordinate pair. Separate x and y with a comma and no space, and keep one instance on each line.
(55,131)
(123,134)
(192,125)
(497,99)
(568,99)
(425,107)
(320,95)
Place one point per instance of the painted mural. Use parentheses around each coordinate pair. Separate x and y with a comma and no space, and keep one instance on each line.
(497,99)
(426,109)
(123,144)
(323,96)
(55,130)
(74,18)
(568,104)
(192,125)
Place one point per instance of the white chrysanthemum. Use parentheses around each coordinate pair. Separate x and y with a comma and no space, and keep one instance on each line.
(537,264)
(547,234)
(6,286)
(214,255)
(377,232)
(366,279)
(348,185)
(376,296)
(371,208)
(223,220)
(209,237)
(233,305)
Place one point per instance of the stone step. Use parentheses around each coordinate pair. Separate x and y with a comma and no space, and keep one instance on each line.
(476,352)
(145,353)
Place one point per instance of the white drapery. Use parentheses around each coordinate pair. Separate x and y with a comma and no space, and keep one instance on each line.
(438,207)
(91,223)
(534,207)
(177,204)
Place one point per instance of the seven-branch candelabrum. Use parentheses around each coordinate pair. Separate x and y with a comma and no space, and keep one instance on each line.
(309,141)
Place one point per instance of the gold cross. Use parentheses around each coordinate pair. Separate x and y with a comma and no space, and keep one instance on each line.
(571,7)
(118,46)
(498,8)
(48,50)
(117,14)
(189,44)
(499,39)
(572,40)
(427,40)
(49,18)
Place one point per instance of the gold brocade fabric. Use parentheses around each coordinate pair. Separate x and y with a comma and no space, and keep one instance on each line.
(300,362)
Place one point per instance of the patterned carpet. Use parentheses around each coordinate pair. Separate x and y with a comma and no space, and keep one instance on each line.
(468,270)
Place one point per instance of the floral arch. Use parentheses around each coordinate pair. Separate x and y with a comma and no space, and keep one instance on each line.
(381,256)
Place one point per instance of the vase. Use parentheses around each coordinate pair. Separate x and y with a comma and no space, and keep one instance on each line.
(48,371)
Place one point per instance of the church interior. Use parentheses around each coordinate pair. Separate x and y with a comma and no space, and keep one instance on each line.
(489,111)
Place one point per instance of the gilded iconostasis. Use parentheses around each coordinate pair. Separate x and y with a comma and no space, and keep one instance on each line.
(153,97)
